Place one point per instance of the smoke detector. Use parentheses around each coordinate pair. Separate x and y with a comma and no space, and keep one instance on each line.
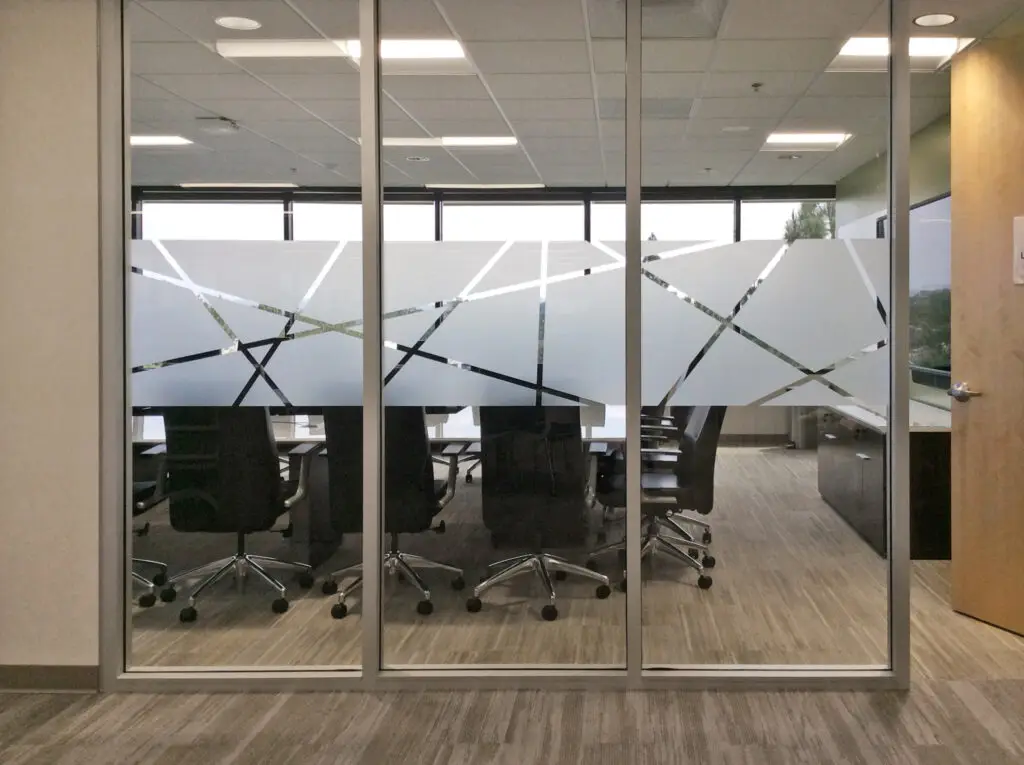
(217,125)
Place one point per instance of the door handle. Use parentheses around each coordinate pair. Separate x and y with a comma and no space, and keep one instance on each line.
(962,392)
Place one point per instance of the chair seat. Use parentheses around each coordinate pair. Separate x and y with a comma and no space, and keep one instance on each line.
(142,492)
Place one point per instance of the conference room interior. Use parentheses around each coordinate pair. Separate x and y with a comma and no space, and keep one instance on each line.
(764,307)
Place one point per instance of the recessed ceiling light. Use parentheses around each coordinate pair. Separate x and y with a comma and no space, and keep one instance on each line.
(159,140)
(485,186)
(735,129)
(830,140)
(389,49)
(920,47)
(791,156)
(238,23)
(242,185)
(417,159)
(935,20)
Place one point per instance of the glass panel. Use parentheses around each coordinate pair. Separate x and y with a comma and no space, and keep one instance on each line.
(412,222)
(508,335)
(475,223)
(699,221)
(238,340)
(760,546)
(258,221)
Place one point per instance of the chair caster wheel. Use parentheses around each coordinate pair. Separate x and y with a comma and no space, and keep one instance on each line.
(168,595)
(603,591)
(693,554)
(160,579)
(329,587)
(561,576)
(709,561)
(148,600)
(458,583)
(424,608)
(473,605)
(279,606)
(549,613)
(704,582)
(306,580)
(339,611)
(591,564)
(622,586)
(187,615)
(469,478)
(706,538)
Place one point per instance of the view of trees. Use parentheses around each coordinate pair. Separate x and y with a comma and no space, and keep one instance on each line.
(814,220)
(929,328)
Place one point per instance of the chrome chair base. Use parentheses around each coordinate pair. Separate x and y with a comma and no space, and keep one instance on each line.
(541,564)
(665,534)
(395,563)
(148,598)
(240,564)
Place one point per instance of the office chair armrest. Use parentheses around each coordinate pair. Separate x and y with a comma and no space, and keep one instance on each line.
(305,451)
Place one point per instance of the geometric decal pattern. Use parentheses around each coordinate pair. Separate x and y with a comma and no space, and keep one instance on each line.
(509,323)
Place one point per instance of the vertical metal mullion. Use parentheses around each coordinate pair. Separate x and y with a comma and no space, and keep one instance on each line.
(438,215)
(899,320)
(587,212)
(289,220)
(737,220)
(373,454)
(634,178)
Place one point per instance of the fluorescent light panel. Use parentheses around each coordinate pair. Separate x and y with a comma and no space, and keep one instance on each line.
(920,47)
(243,185)
(389,49)
(485,185)
(159,140)
(461,141)
(807,139)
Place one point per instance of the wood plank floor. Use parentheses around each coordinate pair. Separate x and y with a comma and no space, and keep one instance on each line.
(794,585)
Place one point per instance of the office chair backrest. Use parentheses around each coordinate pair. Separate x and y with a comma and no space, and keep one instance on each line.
(409,500)
(223,473)
(699,446)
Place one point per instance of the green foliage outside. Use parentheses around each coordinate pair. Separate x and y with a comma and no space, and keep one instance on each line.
(814,220)
(929,329)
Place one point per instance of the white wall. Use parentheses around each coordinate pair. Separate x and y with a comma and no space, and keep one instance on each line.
(49,311)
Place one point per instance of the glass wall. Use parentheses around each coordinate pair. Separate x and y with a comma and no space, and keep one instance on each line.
(514,324)
(238,341)
(755,552)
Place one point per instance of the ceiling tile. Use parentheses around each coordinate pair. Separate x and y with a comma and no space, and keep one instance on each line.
(761,107)
(565,109)
(420,87)
(533,57)
(177,58)
(794,19)
(494,20)
(197,19)
(315,86)
(741,84)
(213,86)
(549,86)
(774,55)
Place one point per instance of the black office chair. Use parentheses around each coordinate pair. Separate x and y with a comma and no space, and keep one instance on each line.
(519,444)
(690,486)
(412,497)
(223,477)
(145,496)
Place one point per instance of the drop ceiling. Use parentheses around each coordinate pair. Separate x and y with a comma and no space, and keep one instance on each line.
(550,72)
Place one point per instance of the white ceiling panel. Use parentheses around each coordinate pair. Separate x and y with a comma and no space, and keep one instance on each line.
(143,26)
(533,57)
(807,19)
(576,85)
(555,128)
(774,55)
(486,20)
(876,84)
(268,109)
(657,55)
(542,109)
(975,18)
(772,84)
(449,109)
(655,84)
(840,110)
(212,86)
(314,86)
(763,107)
(177,58)
(429,87)
(197,19)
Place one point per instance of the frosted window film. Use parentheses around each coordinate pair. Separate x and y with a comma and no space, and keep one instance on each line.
(752,322)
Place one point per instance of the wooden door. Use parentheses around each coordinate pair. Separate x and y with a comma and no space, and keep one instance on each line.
(987,150)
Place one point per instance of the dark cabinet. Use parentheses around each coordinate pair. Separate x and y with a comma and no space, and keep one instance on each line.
(852,480)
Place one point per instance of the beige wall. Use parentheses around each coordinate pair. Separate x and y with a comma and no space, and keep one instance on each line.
(862,195)
(49,310)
